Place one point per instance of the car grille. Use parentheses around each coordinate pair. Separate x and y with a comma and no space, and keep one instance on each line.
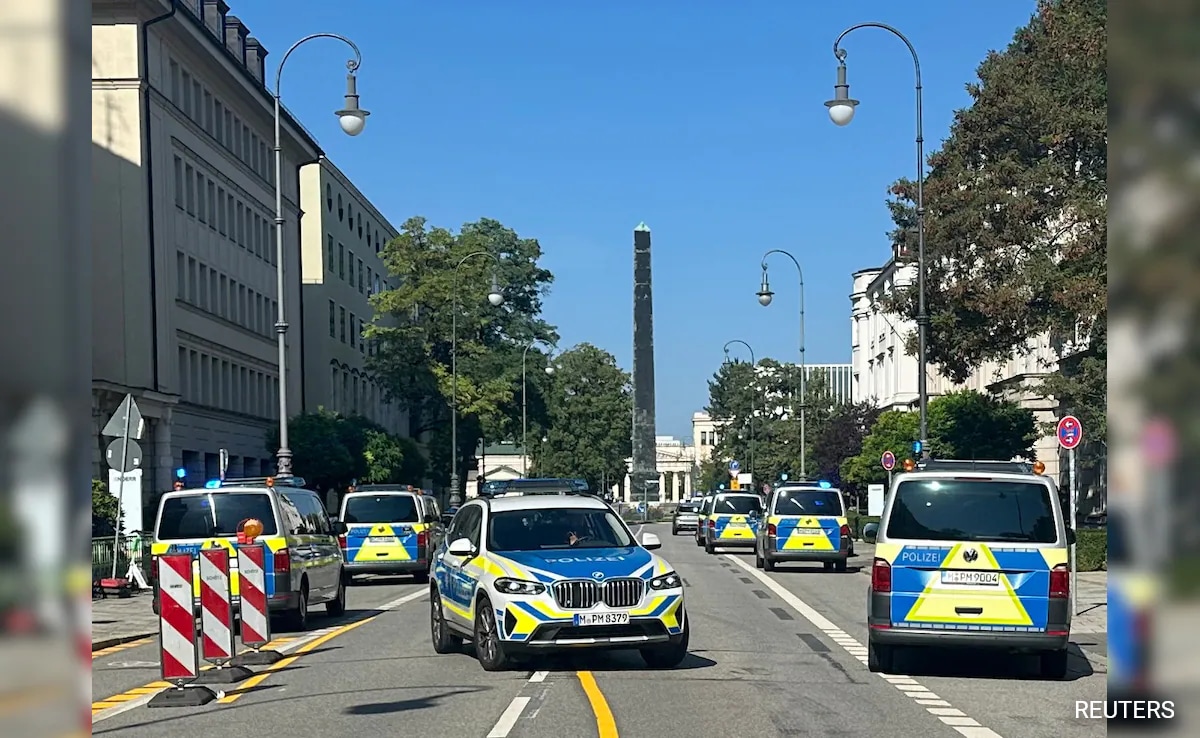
(581,594)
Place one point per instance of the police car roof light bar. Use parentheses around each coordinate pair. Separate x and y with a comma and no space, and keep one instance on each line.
(257,482)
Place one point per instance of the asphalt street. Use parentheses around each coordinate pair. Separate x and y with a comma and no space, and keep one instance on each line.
(771,655)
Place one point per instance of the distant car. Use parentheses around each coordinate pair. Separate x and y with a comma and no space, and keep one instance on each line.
(687,517)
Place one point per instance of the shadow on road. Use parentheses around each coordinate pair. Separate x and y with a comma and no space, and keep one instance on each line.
(609,661)
(417,703)
(975,664)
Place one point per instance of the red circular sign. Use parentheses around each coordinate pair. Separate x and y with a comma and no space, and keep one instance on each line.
(888,460)
(1069,432)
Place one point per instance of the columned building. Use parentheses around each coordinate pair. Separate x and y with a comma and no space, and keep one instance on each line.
(676,465)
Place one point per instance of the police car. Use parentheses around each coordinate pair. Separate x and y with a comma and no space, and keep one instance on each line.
(975,555)
(525,574)
(538,486)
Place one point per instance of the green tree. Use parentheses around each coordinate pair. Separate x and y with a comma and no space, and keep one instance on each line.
(842,438)
(413,329)
(319,452)
(713,473)
(392,460)
(1016,225)
(104,503)
(894,431)
(970,425)
(590,405)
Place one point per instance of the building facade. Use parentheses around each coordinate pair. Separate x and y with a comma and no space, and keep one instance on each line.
(341,237)
(675,461)
(838,378)
(184,254)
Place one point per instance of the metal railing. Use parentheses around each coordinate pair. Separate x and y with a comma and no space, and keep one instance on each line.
(134,547)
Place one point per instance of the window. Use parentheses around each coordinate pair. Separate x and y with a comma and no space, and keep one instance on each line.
(329,198)
(211,189)
(360,276)
(254,235)
(370,280)
(219,204)
(180,275)
(332,320)
(208,111)
(201,203)
(230,217)
(228,129)
(809,502)
(203,287)
(179,196)
(218,120)
(377,284)
(350,262)
(187,93)
(737,505)
(341,212)
(536,530)
(360,230)
(240,229)
(341,261)
(362,344)
(381,508)
(353,333)
(223,300)
(243,308)
(329,253)
(214,515)
(176,93)
(193,290)
(194,111)
(185,391)
(342,324)
(972,510)
(189,181)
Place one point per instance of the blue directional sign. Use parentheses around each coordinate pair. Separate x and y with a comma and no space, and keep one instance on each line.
(734,466)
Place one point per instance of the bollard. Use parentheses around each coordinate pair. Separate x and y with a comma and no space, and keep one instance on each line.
(256,619)
(177,635)
(216,619)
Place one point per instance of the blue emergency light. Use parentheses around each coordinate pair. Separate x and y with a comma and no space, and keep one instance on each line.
(783,477)
(824,485)
(916,447)
(213,484)
(180,473)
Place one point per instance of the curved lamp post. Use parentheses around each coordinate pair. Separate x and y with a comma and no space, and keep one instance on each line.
(495,299)
(841,112)
(525,401)
(765,296)
(753,402)
(352,119)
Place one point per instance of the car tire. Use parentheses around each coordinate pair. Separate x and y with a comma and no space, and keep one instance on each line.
(758,558)
(1054,664)
(297,620)
(768,563)
(880,659)
(337,606)
(709,548)
(444,641)
(488,648)
(674,531)
(669,655)
(421,577)
(699,540)
(839,566)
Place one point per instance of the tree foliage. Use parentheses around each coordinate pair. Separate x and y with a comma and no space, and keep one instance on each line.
(894,431)
(1016,200)
(414,329)
(590,404)
(842,438)
(104,503)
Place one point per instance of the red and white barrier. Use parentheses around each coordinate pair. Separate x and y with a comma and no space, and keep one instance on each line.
(252,581)
(176,619)
(216,607)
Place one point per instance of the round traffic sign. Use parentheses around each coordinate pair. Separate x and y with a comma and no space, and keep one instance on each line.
(1069,432)
(888,460)
(122,457)
(1158,442)
(734,466)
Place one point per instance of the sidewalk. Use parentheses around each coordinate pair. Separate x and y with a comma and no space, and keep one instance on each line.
(116,621)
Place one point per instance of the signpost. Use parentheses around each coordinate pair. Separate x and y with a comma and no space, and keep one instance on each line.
(1070,435)
(888,462)
(126,427)
(734,481)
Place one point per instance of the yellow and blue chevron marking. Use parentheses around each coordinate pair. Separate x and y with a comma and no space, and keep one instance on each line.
(921,600)
(397,541)
(807,532)
(272,544)
(734,527)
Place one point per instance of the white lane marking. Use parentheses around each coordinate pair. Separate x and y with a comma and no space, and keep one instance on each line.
(285,648)
(539,676)
(910,687)
(508,720)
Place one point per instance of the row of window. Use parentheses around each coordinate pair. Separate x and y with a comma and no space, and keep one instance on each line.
(218,383)
(218,121)
(352,393)
(346,212)
(351,269)
(348,328)
(224,212)
(204,287)
(708,438)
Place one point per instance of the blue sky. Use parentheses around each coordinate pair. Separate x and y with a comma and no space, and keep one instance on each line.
(705,119)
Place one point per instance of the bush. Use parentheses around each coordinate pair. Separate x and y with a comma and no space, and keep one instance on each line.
(857,521)
(1091,550)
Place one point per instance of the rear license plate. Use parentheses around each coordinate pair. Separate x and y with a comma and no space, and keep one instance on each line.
(381,539)
(810,531)
(602,618)
(976,578)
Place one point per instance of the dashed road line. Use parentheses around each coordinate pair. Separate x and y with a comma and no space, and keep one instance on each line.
(512,713)
(914,690)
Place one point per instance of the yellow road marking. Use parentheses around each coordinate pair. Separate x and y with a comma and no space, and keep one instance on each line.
(605,722)
(260,677)
(156,686)
(120,647)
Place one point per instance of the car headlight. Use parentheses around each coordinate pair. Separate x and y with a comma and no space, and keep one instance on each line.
(518,586)
(666,581)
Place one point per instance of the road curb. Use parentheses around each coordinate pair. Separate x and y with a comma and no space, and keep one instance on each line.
(104,643)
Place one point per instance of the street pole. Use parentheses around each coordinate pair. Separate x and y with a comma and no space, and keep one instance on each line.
(841,111)
(753,397)
(525,402)
(765,295)
(1074,517)
(352,119)
(496,299)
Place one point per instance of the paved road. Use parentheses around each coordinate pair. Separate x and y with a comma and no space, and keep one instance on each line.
(772,655)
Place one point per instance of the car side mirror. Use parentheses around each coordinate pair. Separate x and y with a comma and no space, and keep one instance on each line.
(650,542)
(1071,536)
(870,532)
(447,518)
(339,528)
(461,547)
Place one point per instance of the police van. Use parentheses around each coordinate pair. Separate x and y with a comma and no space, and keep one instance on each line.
(973,555)
(805,522)
(390,529)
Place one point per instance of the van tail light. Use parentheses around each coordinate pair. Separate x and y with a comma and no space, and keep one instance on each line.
(283,562)
(845,531)
(422,537)
(771,529)
(1060,582)
(712,524)
(881,576)
(342,542)
(153,574)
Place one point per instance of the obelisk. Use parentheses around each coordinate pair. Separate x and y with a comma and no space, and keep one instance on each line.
(644,474)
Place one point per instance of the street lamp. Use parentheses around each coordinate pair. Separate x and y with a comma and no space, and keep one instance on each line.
(525,401)
(352,119)
(753,398)
(495,298)
(841,111)
(765,296)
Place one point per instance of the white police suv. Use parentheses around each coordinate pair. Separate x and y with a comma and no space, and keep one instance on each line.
(524,574)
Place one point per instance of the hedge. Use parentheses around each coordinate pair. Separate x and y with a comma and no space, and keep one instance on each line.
(857,521)
(1091,549)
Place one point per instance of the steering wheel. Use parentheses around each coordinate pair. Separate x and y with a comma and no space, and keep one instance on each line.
(580,539)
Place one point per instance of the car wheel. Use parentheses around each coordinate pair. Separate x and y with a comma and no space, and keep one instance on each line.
(880,658)
(488,648)
(709,548)
(443,640)
(827,565)
(337,606)
(674,531)
(297,620)
(768,563)
(758,558)
(840,565)
(1054,664)
(699,541)
(669,655)
(421,577)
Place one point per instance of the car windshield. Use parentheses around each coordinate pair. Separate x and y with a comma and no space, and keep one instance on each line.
(808,502)
(737,505)
(544,529)
(381,509)
(213,515)
(972,510)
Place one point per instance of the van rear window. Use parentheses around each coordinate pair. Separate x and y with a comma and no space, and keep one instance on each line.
(808,502)
(972,510)
(381,509)
(213,515)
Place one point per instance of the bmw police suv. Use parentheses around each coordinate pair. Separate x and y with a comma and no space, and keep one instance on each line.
(518,575)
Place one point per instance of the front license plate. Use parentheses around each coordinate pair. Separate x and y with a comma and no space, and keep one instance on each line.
(602,618)
(976,578)
(381,539)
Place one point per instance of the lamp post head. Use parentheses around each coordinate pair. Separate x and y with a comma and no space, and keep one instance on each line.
(550,369)
(495,296)
(765,295)
(352,118)
(841,107)
(727,361)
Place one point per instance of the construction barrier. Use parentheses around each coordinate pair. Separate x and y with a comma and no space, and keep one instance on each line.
(217,645)
(178,654)
(252,570)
